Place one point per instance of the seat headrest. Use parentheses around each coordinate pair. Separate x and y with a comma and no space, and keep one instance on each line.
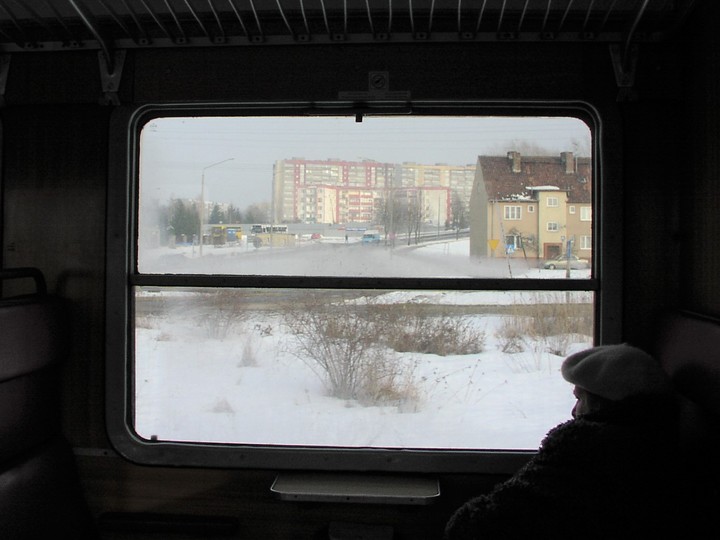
(33,334)
(688,349)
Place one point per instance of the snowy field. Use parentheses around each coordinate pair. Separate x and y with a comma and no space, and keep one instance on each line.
(248,384)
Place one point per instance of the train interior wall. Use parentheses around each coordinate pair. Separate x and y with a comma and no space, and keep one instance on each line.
(665,153)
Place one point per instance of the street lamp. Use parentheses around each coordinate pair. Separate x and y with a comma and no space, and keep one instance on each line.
(202,199)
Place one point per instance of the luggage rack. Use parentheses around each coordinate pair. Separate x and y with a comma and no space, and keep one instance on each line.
(107,25)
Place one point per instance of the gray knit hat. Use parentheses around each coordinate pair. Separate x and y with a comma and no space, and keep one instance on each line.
(615,372)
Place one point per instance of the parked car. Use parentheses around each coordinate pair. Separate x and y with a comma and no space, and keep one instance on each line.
(562,261)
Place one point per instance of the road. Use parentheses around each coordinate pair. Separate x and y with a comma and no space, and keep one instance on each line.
(337,259)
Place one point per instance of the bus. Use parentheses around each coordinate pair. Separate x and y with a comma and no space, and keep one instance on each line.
(266,235)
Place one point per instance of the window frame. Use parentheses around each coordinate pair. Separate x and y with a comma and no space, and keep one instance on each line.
(122,276)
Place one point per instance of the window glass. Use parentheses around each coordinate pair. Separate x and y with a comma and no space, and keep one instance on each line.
(355,368)
(513,212)
(206,183)
(316,281)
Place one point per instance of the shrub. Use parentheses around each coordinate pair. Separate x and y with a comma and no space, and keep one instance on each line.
(221,310)
(511,335)
(146,321)
(340,344)
(413,328)
(222,406)
(391,381)
(442,335)
(249,353)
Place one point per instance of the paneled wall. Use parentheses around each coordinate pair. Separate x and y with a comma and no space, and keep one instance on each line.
(700,235)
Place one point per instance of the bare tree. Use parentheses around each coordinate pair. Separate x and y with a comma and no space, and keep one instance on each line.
(410,214)
(258,213)
(459,209)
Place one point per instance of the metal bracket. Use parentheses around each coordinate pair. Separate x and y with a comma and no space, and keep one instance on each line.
(4,70)
(378,90)
(110,75)
(624,61)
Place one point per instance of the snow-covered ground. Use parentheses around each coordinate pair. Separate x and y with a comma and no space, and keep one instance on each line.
(249,386)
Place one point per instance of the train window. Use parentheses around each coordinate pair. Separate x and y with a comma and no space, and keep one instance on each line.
(340,287)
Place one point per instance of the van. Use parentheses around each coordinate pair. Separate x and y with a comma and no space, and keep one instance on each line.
(371,237)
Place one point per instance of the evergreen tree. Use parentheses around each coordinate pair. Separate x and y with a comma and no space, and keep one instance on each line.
(217,215)
(183,218)
(234,215)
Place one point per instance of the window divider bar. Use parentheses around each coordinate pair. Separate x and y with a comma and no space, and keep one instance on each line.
(383,283)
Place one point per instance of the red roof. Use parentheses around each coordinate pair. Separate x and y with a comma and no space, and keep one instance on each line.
(509,177)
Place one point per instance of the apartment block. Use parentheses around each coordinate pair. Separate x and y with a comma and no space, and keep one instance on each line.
(338,191)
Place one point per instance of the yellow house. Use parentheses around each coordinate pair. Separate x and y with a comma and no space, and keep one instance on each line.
(533,207)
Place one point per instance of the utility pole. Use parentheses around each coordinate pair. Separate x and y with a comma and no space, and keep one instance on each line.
(202,200)
(568,253)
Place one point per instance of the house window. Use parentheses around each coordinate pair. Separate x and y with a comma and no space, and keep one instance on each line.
(585,242)
(553,226)
(531,208)
(571,209)
(513,212)
(553,202)
(238,356)
(585,213)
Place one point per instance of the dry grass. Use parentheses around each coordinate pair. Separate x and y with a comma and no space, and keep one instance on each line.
(221,311)
(409,328)
(549,322)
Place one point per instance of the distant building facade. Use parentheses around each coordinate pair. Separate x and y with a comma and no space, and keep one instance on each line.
(531,206)
(338,191)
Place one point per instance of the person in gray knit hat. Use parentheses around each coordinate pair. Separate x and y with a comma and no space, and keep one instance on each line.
(616,470)
(611,373)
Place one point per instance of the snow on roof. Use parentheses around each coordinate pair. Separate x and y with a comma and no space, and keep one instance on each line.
(543,188)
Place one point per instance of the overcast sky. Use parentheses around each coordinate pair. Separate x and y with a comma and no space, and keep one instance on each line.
(174,152)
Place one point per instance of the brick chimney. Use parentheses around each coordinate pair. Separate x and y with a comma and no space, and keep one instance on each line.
(569,160)
(514,158)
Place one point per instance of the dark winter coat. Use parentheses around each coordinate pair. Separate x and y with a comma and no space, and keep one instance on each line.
(619,473)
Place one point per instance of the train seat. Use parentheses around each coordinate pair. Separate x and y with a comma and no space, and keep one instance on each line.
(688,348)
(40,493)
